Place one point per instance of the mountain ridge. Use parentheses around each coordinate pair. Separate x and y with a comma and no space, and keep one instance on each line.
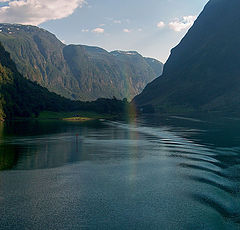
(92,73)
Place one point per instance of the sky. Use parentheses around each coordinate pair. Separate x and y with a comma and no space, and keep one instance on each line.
(151,27)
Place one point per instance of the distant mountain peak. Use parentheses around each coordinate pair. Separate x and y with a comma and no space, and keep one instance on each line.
(120,52)
(19,27)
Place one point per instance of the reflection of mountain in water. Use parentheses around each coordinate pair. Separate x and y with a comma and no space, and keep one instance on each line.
(30,145)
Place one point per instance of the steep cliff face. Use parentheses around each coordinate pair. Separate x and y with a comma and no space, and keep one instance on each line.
(202,72)
(103,74)
(75,71)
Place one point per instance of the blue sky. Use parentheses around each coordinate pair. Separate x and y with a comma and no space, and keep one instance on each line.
(151,27)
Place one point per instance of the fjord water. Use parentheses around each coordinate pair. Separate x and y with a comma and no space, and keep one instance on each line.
(149,173)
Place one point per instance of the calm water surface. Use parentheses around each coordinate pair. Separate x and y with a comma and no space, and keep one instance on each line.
(150,173)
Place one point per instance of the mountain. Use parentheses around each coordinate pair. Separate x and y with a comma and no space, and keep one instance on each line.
(202,72)
(156,65)
(20,97)
(76,71)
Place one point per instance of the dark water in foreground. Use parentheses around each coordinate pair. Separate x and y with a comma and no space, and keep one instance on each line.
(154,173)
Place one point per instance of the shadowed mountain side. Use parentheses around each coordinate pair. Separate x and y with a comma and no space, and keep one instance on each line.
(202,72)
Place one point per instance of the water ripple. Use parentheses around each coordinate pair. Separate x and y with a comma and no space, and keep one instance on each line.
(227,208)
(216,171)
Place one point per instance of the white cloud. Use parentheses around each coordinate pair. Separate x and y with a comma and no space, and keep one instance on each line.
(126,31)
(117,21)
(98,30)
(85,30)
(35,12)
(161,25)
(181,24)
(140,30)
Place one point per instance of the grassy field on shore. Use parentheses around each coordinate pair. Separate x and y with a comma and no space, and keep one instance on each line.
(73,116)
